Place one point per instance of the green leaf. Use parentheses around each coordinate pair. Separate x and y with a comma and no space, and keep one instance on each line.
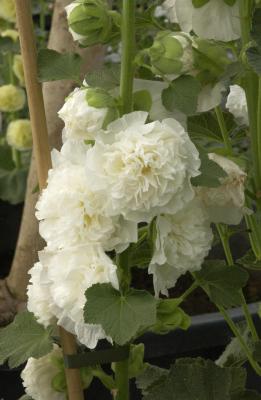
(13,185)
(136,363)
(7,45)
(6,160)
(182,95)
(222,282)
(211,172)
(99,98)
(54,66)
(170,317)
(199,3)
(152,376)
(247,395)
(22,339)
(131,312)
(254,52)
(26,397)
(230,2)
(106,78)
(249,261)
(198,379)
(142,100)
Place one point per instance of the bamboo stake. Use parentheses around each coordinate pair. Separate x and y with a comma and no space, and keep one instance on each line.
(42,152)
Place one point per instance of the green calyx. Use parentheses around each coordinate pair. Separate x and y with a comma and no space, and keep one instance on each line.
(199,3)
(230,2)
(171,53)
(91,19)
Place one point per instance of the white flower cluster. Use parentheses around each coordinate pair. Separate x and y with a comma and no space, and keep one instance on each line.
(237,104)
(98,193)
(38,375)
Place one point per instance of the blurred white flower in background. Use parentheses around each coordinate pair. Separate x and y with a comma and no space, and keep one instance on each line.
(214,20)
(182,243)
(225,203)
(237,104)
(38,375)
(81,120)
(143,169)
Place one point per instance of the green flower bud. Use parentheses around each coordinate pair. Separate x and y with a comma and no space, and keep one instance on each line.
(90,21)
(7,10)
(12,98)
(171,53)
(10,33)
(18,69)
(19,134)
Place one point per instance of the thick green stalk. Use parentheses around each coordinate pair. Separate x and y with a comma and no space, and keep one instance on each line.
(224,131)
(251,89)
(127,61)
(122,380)
(222,230)
(259,130)
(126,94)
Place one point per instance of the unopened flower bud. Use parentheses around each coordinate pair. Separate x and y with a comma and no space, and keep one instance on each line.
(7,10)
(10,33)
(171,53)
(89,21)
(18,69)
(12,98)
(19,134)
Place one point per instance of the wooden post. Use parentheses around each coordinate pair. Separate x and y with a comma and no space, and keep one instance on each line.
(42,152)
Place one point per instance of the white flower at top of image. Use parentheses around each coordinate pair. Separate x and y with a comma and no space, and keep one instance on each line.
(38,374)
(214,20)
(237,104)
(70,273)
(81,120)
(225,203)
(38,294)
(182,243)
(71,214)
(143,169)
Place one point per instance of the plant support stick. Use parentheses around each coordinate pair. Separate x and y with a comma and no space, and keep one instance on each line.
(42,151)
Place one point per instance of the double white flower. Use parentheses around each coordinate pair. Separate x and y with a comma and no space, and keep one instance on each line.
(144,169)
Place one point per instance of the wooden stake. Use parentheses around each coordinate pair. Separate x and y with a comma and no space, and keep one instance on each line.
(42,152)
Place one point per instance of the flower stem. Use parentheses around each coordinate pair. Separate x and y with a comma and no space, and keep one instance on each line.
(126,89)
(224,131)
(122,380)
(16,156)
(241,340)
(251,88)
(194,286)
(127,61)
(222,230)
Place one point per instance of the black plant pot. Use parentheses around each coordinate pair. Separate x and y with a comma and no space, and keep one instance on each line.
(207,337)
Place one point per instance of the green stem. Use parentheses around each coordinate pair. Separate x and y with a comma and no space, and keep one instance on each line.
(241,340)
(222,230)
(251,89)
(122,380)
(16,156)
(224,131)
(127,61)
(194,286)
(10,67)
(259,129)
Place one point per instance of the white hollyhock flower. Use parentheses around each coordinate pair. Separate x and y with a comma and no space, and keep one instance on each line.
(237,104)
(210,97)
(183,241)
(81,120)
(214,20)
(70,213)
(38,293)
(38,374)
(70,273)
(225,203)
(143,169)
